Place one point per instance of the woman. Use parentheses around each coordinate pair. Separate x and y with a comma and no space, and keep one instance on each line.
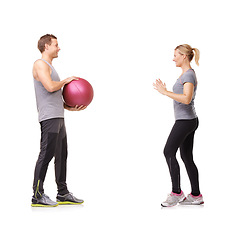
(183,131)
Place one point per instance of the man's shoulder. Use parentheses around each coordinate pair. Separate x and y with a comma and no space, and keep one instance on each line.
(39,64)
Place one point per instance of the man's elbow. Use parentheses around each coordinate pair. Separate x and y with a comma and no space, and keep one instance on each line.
(50,89)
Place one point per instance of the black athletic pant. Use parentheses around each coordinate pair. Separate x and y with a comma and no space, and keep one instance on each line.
(53,144)
(182,136)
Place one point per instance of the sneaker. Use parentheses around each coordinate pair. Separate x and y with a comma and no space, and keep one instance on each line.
(44,201)
(192,200)
(68,199)
(173,199)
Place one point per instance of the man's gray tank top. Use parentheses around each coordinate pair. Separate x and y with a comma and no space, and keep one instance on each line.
(181,110)
(49,104)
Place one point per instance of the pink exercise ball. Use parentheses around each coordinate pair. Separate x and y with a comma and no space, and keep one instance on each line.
(78,92)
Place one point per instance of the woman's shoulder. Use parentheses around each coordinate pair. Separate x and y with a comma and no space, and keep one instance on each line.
(189,76)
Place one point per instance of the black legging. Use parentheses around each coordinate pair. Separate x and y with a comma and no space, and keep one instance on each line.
(182,136)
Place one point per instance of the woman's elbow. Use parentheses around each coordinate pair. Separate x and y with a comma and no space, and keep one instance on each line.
(187,101)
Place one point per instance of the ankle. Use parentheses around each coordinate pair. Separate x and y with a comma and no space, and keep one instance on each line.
(195,195)
(177,193)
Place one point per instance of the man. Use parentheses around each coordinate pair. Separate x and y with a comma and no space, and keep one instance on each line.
(51,117)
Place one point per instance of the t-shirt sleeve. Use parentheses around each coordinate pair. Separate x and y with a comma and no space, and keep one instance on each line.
(189,77)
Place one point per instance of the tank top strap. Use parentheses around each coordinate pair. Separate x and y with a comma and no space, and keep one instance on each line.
(47,63)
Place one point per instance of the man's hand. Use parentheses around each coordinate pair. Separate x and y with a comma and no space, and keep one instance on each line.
(68,80)
(76,108)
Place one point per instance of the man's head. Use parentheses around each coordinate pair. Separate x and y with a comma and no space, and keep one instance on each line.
(49,44)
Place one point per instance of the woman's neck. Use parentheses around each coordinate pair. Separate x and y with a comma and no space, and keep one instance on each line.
(185,68)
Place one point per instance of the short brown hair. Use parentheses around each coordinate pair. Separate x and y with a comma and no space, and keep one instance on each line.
(46,39)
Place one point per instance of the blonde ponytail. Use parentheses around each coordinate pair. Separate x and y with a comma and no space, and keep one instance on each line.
(197,55)
(188,51)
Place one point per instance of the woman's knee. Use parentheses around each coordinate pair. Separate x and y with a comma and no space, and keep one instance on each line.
(168,152)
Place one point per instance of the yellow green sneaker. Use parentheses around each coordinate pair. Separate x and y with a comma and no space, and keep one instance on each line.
(43,201)
(68,199)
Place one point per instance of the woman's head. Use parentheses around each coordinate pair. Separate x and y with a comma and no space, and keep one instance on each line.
(185,53)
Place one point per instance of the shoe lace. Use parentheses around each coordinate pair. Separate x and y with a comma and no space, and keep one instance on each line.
(45,195)
(170,197)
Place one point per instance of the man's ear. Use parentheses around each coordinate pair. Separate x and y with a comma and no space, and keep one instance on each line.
(46,46)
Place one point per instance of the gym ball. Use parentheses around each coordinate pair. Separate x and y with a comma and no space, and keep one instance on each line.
(78,92)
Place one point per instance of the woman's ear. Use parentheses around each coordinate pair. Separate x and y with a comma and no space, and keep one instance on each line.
(184,56)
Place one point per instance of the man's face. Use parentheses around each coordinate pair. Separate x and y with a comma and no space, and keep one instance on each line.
(53,49)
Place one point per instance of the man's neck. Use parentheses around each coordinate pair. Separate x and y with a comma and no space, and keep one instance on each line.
(47,58)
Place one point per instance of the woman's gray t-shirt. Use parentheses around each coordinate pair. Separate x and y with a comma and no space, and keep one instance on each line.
(181,110)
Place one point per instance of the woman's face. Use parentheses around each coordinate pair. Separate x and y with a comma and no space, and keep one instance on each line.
(178,58)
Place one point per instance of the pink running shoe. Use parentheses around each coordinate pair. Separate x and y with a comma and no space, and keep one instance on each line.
(173,199)
(192,200)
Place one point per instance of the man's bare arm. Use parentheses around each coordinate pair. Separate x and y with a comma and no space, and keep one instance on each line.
(42,73)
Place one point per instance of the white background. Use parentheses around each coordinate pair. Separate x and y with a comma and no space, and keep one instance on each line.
(115,158)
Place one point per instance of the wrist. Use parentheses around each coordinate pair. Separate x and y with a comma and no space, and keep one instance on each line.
(64,82)
(65,106)
(166,93)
